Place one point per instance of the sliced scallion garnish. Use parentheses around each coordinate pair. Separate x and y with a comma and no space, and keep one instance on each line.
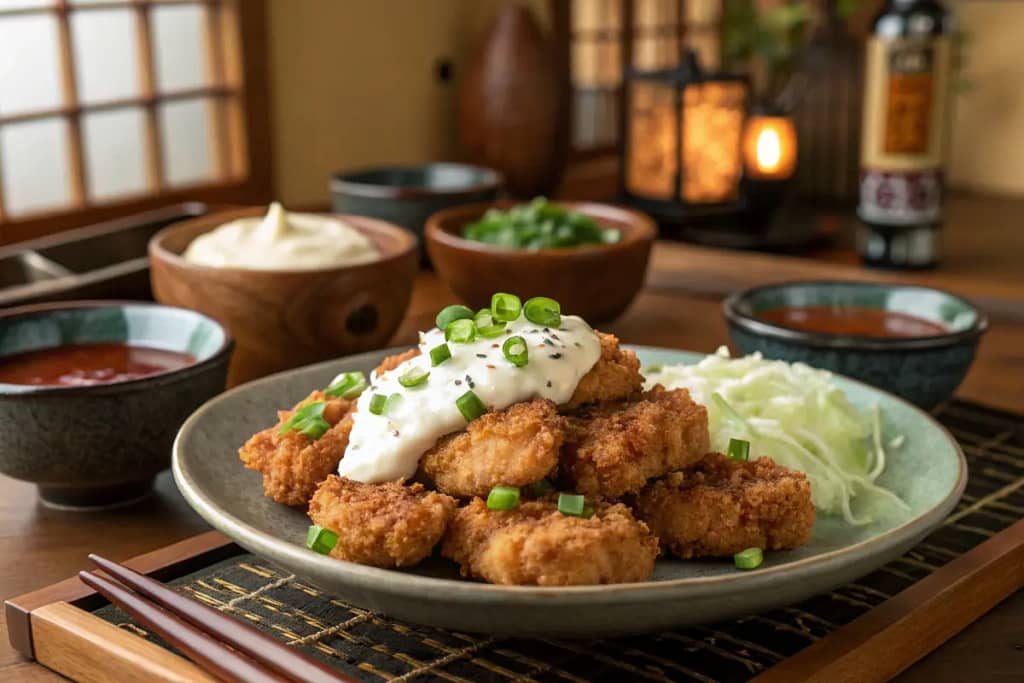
(321,540)
(440,354)
(571,504)
(503,498)
(739,449)
(461,331)
(541,310)
(377,402)
(470,405)
(452,313)
(505,307)
(515,351)
(347,385)
(308,421)
(413,377)
(391,403)
(751,558)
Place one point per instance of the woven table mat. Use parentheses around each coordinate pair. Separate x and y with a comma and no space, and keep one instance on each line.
(376,648)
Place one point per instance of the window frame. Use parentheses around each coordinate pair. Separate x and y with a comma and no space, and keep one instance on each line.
(236,87)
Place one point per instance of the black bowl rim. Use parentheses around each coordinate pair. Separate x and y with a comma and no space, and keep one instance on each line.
(346,182)
(21,391)
(733,314)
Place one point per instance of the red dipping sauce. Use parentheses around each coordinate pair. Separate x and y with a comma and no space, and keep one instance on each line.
(863,322)
(78,365)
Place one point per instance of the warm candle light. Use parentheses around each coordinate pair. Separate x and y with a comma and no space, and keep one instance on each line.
(769,148)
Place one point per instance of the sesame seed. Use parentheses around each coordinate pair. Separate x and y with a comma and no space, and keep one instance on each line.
(549,384)
(556,356)
(490,366)
(458,382)
(481,355)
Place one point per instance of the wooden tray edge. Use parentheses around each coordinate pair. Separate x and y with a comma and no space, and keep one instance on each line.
(891,637)
(18,610)
(83,647)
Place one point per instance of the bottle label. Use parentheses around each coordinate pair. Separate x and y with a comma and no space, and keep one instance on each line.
(903,145)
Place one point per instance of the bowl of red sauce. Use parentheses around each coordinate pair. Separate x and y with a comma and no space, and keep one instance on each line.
(916,342)
(93,392)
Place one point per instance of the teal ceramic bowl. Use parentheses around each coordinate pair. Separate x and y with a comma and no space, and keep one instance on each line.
(925,370)
(102,445)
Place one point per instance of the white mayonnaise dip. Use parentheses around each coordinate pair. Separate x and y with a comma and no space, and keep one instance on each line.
(385,447)
(282,241)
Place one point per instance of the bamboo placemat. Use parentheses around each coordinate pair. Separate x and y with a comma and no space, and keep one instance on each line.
(376,648)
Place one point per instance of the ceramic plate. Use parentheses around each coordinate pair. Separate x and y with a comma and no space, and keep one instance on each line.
(928,471)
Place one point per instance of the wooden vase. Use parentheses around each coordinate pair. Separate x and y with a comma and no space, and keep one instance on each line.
(512,115)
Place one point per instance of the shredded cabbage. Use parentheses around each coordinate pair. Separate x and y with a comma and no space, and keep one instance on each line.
(794,414)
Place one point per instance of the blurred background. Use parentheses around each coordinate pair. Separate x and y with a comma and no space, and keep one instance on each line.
(105,105)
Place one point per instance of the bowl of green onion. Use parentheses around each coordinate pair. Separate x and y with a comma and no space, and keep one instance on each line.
(590,257)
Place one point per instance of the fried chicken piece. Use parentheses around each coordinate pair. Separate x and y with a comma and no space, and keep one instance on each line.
(612,449)
(512,447)
(292,464)
(382,525)
(392,362)
(536,545)
(723,506)
(615,376)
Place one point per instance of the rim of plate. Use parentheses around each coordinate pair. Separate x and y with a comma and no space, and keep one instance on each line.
(413,585)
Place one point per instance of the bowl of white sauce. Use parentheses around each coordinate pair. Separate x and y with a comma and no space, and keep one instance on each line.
(293,288)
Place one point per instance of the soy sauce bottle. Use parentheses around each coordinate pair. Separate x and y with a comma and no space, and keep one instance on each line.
(905,134)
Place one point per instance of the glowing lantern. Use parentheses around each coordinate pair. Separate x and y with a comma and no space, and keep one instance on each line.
(769,147)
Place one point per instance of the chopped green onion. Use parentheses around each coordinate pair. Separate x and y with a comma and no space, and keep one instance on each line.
(515,351)
(470,405)
(392,402)
(539,489)
(461,331)
(483,318)
(377,404)
(751,558)
(439,354)
(413,377)
(571,504)
(321,540)
(347,385)
(739,449)
(503,498)
(449,314)
(505,307)
(486,326)
(491,331)
(541,310)
(308,421)
(588,511)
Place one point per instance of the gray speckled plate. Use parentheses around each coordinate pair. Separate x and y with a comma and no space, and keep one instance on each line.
(928,471)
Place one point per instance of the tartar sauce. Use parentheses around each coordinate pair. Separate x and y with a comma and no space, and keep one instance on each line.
(385,447)
(282,241)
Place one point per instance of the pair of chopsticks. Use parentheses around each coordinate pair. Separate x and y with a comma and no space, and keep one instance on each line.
(226,647)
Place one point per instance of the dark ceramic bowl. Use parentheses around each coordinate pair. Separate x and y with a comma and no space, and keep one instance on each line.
(408,195)
(595,281)
(924,370)
(101,445)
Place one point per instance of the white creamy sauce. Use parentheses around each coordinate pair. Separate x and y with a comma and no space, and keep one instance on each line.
(385,447)
(282,241)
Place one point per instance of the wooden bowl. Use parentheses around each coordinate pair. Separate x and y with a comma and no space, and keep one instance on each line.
(282,319)
(597,282)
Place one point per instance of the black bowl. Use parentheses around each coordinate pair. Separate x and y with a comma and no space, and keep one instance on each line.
(407,195)
(924,370)
(102,445)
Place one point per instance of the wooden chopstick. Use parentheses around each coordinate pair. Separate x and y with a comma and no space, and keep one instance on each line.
(287,662)
(218,659)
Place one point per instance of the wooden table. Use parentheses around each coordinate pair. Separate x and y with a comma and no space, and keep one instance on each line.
(679,308)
